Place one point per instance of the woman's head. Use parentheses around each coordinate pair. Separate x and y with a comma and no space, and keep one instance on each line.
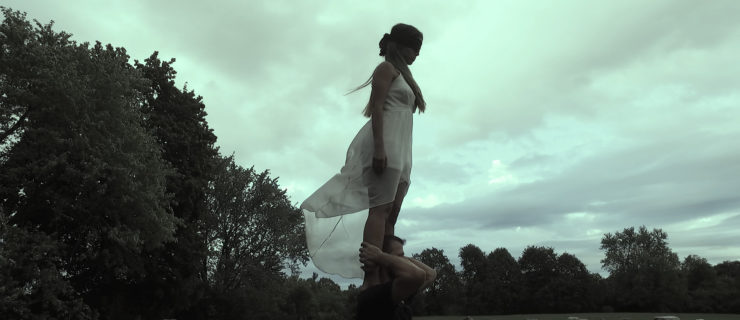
(404,43)
(400,48)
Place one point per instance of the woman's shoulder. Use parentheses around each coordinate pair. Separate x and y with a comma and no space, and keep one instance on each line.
(386,69)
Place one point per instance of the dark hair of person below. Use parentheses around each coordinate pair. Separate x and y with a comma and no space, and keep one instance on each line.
(394,237)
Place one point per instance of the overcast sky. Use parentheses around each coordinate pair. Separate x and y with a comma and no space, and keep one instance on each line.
(548,123)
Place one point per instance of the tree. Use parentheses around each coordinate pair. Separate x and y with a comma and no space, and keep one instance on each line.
(444,294)
(33,287)
(350,300)
(330,300)
(177,119)
(176,276)
(504,287)
(21,48)
(539,267)
(728,287)
(253,234)
(573,285)
(301,301)
(644,271)
(474,277)
(701,283)
(82,169)
(317,298)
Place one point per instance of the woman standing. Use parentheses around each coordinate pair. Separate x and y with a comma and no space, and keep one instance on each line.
(376,173)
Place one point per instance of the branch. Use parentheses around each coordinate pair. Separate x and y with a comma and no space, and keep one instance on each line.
(15,127)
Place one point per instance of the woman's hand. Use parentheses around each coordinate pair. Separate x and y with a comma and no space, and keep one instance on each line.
(379,164)
(380,160)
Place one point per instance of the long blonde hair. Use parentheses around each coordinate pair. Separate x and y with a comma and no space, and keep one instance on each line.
(392,52)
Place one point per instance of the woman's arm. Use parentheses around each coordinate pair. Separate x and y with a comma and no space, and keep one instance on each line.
(382,79)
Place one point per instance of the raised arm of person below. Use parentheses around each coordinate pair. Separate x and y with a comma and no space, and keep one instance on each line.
(408,278)
(430,274)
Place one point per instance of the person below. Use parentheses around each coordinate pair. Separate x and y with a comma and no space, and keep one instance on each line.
(388,293)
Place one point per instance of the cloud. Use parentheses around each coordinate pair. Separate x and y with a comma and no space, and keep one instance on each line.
(541,60)
(632,181)
(660,185)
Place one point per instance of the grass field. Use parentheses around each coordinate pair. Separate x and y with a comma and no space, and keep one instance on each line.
(594,316)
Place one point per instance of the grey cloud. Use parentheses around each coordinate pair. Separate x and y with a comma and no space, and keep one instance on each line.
(258,42)
(438,171)
(707,239)
(530,160)
(632,187)
(657,29)
(571,246)
(558,80)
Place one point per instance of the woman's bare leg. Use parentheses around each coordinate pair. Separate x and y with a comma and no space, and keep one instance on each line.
(374,233)
(390,223)
(381,221)
(375,225)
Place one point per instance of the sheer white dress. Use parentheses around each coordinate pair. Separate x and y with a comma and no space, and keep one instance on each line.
(335,214)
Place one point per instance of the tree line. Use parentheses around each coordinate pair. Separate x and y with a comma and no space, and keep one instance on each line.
(115,203)
(645,275)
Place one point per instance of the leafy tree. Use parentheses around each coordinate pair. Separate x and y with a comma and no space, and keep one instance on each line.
(644,271)
(330,300)
(177,119)
(701,283)
(444,294)
(176,276)
(114,202)
(539,267)
(262,299)
(301,300)
(350,300)
(474,278)
(21,48)
(317,298)
(573,286)
(82,169)
(504,288)
(253,233)
(32,286)
(728,287)
(600,294)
